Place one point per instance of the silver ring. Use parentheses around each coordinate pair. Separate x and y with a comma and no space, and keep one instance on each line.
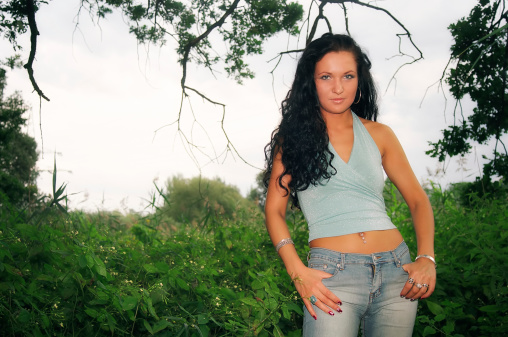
(410,280)
(419,286)
(313,299)
(425,285)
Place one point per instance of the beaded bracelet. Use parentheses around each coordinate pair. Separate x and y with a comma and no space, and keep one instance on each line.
(427,257)
(282,243)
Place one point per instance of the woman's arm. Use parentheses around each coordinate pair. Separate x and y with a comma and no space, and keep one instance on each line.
(308,282)
(399,171)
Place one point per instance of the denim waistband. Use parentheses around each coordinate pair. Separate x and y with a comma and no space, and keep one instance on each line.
(342,259)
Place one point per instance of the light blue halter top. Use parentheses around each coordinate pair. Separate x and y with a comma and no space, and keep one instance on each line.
(351,201)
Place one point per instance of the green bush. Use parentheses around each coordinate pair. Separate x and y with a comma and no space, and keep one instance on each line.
(104,274)
(472,282)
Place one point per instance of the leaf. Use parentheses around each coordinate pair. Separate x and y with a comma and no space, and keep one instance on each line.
(257,284)
(491,308)
(151,309)
(160,325)
(272,304)
(285,311)
(439,317)
(100,268)
(92,312)
(202,319)
(44,321)
(129,303)
(429,331)
(150,268)
(82,261)
(111,323)
(435,308)
(24,316)
(228,294)
(296,308)
(229,244)
(89,261)
(182,284)
(249,301)
(147,326)
(277,332)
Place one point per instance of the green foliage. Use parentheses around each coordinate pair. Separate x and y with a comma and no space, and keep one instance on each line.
(472,283)
(13,21)
(18,153)
(481,72)
(90,275)
(193,200)
(248,24)
(107,274)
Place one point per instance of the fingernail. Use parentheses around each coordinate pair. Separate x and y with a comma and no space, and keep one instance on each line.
(339,303)
(412,300)
(315,318)
(339,310)
(331,313)
(402,296)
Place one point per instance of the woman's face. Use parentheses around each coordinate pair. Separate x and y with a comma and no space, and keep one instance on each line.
(336,81)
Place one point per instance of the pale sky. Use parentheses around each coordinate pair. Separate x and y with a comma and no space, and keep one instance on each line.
(109,96)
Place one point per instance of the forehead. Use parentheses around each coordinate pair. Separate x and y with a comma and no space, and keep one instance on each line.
(337,61)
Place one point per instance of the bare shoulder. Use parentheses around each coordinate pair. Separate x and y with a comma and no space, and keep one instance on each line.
(382,134)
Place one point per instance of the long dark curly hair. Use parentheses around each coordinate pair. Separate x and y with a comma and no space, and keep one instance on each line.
(301,137)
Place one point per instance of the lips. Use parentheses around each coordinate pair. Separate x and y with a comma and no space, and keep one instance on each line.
(337,100)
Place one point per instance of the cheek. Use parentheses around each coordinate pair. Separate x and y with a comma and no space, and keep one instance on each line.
(320,91)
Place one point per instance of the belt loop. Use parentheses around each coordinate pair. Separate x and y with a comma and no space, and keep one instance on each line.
(396,258)
(342,261)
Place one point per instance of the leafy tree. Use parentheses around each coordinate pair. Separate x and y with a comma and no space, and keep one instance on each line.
(481,55)
(191,200)
(18,151)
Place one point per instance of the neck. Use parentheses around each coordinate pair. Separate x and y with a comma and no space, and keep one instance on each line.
(338,121)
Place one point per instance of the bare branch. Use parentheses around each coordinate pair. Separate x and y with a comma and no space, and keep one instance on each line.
(30,14)
(316,21)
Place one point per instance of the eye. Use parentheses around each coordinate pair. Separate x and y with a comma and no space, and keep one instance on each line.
(350,76)
(325,77)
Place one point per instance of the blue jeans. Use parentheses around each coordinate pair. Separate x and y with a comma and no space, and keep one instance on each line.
(369,287)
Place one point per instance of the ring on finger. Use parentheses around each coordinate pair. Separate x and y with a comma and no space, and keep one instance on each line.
(410,280)
(425,285)
(313,299)
(419,286)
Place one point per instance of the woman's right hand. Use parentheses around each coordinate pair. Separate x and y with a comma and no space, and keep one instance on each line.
(309,282)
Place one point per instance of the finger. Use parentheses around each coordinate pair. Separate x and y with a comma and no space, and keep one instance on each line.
(330,299)
(319,304)
(408,286)
(429,291)
(310,308)
(419,289)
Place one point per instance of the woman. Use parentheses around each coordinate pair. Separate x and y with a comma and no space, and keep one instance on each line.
(328,156)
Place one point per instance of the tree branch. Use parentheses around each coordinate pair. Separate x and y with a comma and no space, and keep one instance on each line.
(30,14)
(198,39)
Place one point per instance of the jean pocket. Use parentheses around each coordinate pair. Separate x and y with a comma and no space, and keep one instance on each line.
(324,265)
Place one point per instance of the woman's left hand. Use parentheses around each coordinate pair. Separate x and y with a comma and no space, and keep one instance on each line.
(421,279)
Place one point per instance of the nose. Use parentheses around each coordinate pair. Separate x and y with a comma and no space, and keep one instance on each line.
(337,87)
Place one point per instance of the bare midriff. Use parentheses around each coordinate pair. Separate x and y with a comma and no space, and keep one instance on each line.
(375,241)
